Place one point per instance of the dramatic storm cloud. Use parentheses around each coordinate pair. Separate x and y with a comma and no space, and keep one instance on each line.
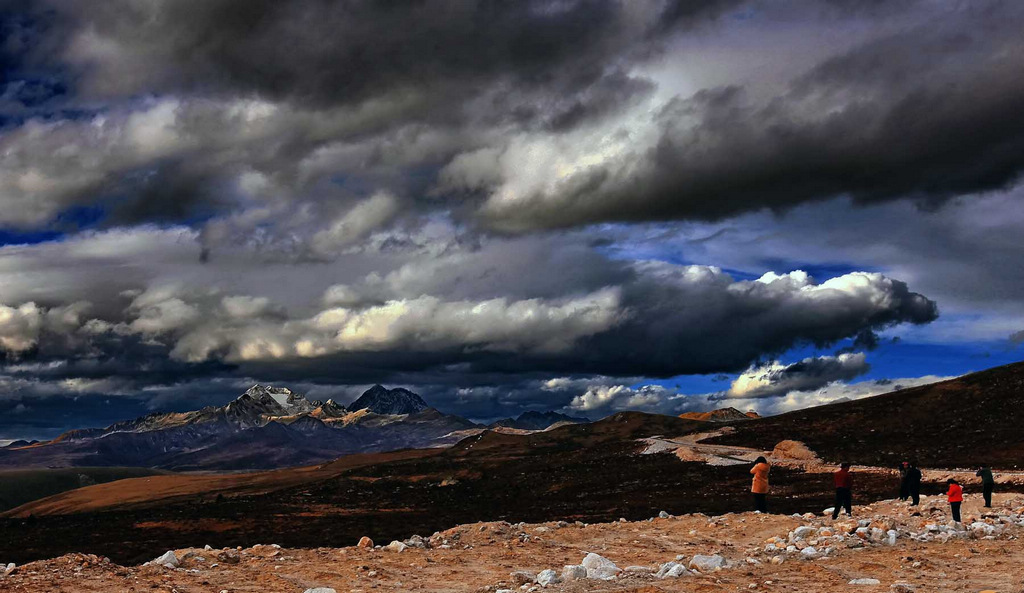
(584,205)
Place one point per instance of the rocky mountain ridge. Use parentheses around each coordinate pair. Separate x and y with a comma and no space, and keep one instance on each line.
(265,427)
(534,420)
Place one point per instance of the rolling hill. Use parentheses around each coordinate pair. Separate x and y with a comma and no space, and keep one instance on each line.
(963,422)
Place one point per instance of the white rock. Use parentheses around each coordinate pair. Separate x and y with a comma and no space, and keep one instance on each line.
(320,590)
(828,511)
(10,568)
(778,560)
(802,532)
(664,515)
(706,564)
(207,547)
(865,582)
(416,541)
(574,572)
(397,546)
(809,552)
(599,567)
(168,559)
(890,537)
(547,577)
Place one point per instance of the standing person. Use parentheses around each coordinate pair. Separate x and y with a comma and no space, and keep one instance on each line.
(904,485)
(759,486)
(987,484)
(955,497)
(844,491)
(914,483)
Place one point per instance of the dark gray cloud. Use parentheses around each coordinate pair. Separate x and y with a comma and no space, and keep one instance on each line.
(929,113)
(330,194)
(330,53)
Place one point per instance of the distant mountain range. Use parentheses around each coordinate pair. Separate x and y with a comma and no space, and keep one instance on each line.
(265,427)
(537,421)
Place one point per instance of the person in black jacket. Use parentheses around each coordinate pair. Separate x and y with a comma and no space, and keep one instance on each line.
(987,484)
(904,484)
(914,483)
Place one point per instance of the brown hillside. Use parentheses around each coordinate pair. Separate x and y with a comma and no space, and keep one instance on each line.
(963,422)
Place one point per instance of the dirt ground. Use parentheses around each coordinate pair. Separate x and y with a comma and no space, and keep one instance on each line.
(481,556)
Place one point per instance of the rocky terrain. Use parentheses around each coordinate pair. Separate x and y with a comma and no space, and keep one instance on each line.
(886,546)
(622,466)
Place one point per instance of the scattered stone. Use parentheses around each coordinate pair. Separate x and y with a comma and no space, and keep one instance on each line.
(365,542)
(547,577)
(522,577)
(574,572)
(599,567)
(809,552)
(396,546)
(902,588)
(865,582)
(207,547)
(664,515)
(802,532)
(168,560)
(320,590)
(10,568)
(671,570)
(228,557)
(706,564)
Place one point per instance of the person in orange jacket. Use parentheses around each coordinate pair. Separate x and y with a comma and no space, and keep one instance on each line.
(759,487)
(955,497)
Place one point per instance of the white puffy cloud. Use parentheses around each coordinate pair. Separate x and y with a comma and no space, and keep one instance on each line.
(776,379)
(365,217)
(23,326)
(423,324)
(600,399)
(605,399)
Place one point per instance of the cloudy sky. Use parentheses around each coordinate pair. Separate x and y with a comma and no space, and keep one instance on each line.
(585,206)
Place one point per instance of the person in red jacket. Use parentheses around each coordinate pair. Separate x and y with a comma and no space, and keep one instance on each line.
(844,491)
(955,497)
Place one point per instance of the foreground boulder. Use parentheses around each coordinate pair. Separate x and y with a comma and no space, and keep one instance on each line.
(574,572)
(547,577)
(706,564)
(599,567)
